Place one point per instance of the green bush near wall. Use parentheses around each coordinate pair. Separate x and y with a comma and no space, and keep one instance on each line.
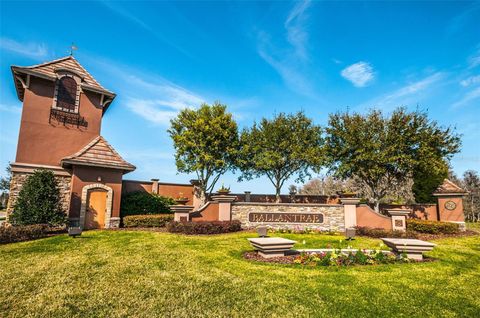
(142,203)
(156,220)
(432,227)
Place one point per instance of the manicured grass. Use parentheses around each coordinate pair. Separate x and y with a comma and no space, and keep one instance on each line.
(148,274)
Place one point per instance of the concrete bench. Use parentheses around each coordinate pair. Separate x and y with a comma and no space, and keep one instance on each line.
(412,247)
(271,246)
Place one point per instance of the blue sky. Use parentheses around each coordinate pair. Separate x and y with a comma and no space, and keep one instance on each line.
(257,57)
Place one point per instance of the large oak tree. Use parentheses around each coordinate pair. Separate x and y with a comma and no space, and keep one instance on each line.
(279,148)
(206,143)
(384,150)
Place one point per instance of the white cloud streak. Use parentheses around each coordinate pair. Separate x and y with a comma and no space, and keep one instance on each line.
(30,49)
(289,63)
(472,80)
(360,74)
(410,93)
(467,98)
(10,109)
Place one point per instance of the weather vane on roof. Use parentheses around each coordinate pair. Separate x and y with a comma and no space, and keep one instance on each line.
(73,47)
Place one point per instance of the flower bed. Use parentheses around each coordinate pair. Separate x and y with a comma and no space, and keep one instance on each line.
(334,257)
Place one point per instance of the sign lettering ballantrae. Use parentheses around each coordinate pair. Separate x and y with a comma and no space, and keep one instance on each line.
(265,217)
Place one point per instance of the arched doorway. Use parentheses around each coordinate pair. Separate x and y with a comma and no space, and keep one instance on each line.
(96,208)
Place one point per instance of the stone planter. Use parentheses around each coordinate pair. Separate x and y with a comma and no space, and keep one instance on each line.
(181,201)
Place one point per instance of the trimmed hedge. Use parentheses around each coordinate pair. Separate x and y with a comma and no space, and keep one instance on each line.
(155,220)
(432,227)
(11,234)
(215,227)
(142,203)
(379,233)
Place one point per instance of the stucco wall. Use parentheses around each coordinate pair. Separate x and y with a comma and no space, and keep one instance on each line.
(41,142)
(172,190)
(369,218)
(334,218)
(455,215)
(83,176)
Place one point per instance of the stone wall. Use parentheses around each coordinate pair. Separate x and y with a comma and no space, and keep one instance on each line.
(18,179)
(333,215)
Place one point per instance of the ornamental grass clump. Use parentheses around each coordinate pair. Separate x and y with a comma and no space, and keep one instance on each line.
(339,258)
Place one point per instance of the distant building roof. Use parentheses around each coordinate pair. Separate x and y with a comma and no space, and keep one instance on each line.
(448,187)
(48,71)
(98,153)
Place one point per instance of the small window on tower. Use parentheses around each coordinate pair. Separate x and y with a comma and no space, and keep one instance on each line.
(67,95)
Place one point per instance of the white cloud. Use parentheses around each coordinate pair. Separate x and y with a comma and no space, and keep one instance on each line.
(30,49)
(472,80)
(470,96)
(360,74)
(290,62)
(148,95)
(474,60)
(296,34)
(410,93)
(10,109)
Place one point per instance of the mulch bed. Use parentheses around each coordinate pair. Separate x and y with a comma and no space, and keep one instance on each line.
(254,256)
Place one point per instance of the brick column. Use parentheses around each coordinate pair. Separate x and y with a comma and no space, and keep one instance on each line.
(350,211)
(224,206)
(181,212)
(399,219)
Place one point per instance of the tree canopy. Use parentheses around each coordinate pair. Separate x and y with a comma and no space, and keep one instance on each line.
(279,148)
(205,142)
(385,150)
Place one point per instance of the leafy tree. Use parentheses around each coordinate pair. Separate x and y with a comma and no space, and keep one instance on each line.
(39,201)
(287,145)
(140,203)
(206,143)
(471,183)
(5,181)
(383,151)
(426,180)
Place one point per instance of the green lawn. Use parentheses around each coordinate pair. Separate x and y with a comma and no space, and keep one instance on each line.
(147,274)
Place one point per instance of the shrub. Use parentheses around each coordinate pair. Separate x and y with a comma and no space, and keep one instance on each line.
(158,220)
(378,232)
(432,227)
(39,201)
(142,203)
(215,227)
(11,234)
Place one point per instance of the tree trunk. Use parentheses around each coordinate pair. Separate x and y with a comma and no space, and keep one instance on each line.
(377,206)
(278,199)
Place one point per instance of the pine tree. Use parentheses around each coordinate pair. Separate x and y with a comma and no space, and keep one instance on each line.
(39,201)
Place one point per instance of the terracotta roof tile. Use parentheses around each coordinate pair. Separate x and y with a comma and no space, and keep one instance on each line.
(449,187)
(47,70)
(99,153)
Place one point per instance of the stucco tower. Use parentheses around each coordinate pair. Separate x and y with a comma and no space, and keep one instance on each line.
(63,107)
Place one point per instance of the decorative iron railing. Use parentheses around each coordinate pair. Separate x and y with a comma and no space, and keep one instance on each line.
(67,118)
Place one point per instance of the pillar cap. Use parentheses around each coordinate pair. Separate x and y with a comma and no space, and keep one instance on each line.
(181,208)
(398,212)
(350,201)
(224,198)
